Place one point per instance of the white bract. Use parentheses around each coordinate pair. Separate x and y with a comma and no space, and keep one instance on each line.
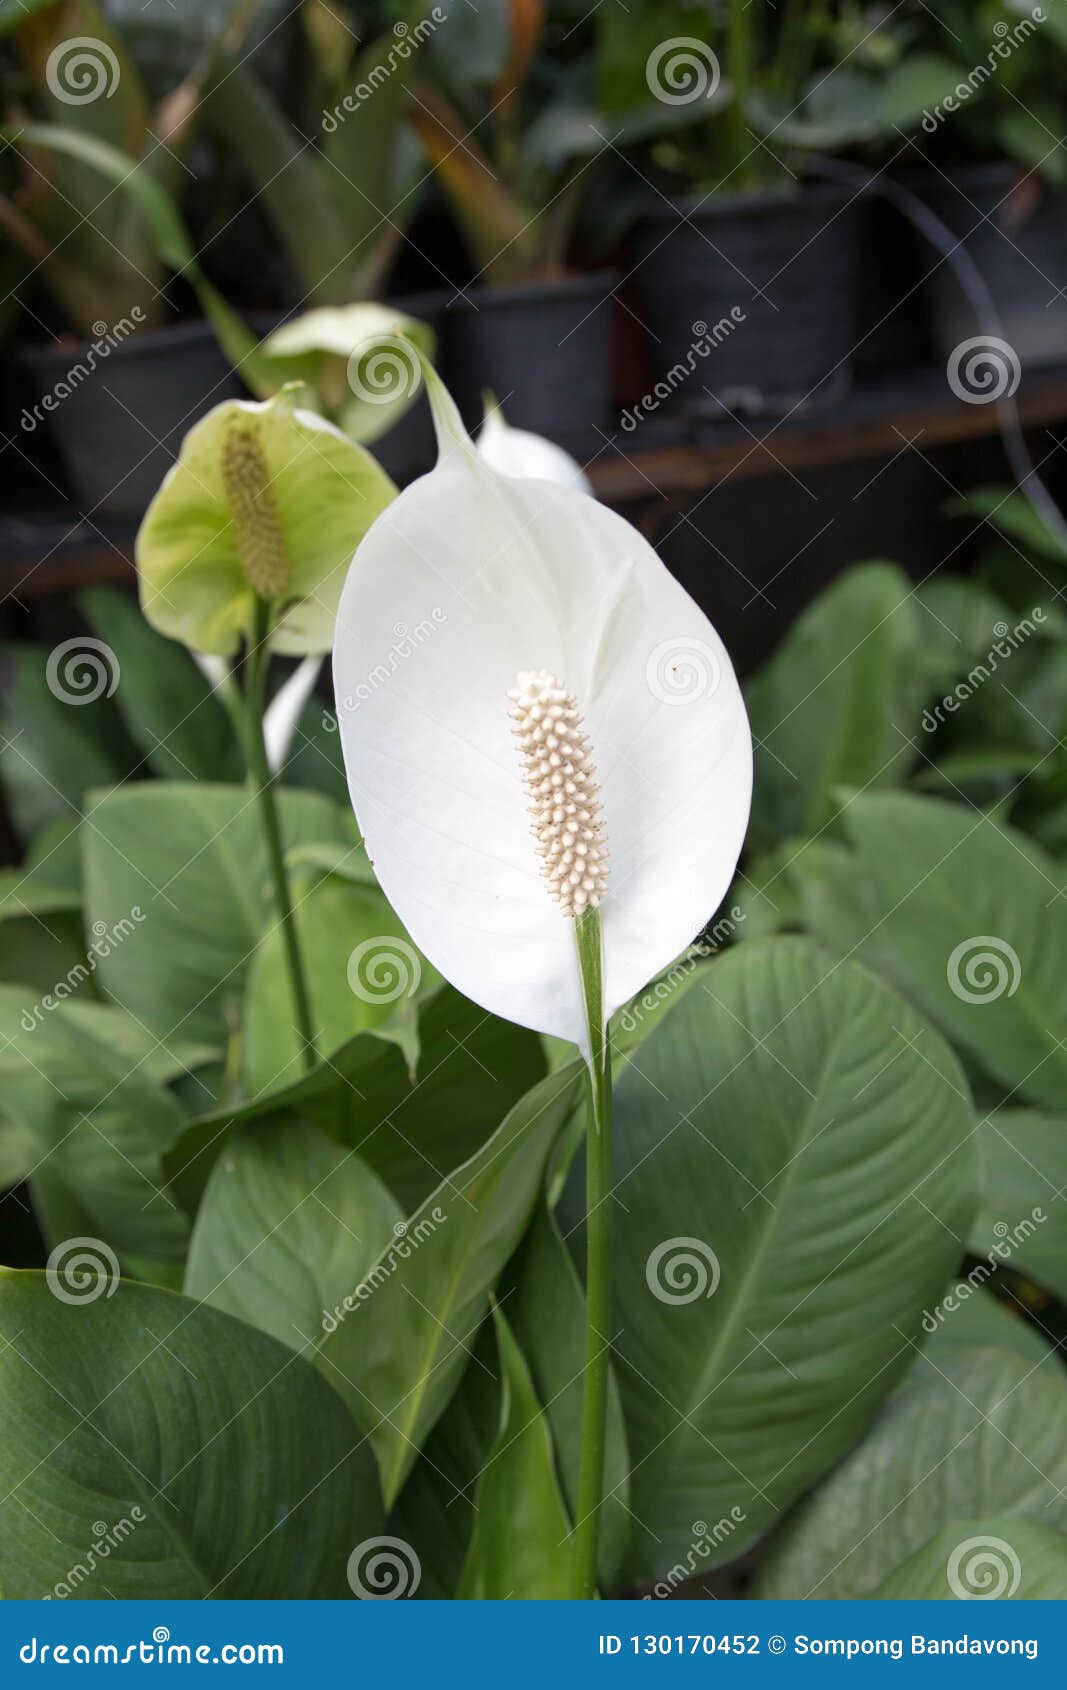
(515,451)
(520,583)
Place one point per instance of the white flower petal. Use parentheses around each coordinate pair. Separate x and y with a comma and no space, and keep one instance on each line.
(283,711)
(515,451)
(466,579)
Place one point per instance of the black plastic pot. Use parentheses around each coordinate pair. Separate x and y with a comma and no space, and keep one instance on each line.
(544,350)
(118,415)
(1015,230)
(748,300)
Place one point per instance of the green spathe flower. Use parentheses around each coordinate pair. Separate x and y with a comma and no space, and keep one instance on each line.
(360,361)
(567,735)
(265,501)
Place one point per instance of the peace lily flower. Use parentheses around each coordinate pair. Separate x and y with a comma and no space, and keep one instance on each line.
(359,360)
(517,451)
(555,621)
(267,502)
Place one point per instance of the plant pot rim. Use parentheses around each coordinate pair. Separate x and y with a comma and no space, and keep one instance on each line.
(576,285)
(142,343)
(988,172)
(755,202)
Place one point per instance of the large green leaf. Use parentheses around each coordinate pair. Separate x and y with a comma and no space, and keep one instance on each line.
(289,1226)
(170,711)
(983,1438)
(838,702)
(193,860)
(991,1560)
(412,1129)
(1022,1215)
(521,1545)
(965,914)
(398,1351)
(82,1091)
(792,1172)
(232,1464)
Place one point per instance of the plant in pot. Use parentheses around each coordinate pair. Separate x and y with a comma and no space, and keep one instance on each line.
(740,257)
(509,123)
(1000,174)
(73,95)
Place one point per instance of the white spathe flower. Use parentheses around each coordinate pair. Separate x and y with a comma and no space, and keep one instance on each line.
(285,709)
(471,585)
(515,451)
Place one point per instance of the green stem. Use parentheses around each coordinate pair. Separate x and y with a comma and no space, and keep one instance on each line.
(598,1262)
(740,72)
(262,781)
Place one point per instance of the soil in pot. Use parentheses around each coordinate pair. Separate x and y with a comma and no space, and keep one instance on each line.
(1015,229)
(118,412)
(749,300)
(544,350)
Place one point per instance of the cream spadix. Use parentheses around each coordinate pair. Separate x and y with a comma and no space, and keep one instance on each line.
(472,585)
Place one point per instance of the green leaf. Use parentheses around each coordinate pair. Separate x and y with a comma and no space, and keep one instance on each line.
(546,1309)
(973,1317)
(193,859)
(793,1172)
(397,1354)
(1004,1559)
(1022,1172)
(171,713)
(233,1465)
(1012,513)
(838,703)
(981,1439)
(521,1543)
(92,1109)
(290,1224)
(363,973)
(967,917)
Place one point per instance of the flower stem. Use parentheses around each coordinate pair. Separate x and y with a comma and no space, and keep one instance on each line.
(598,1261)
(262,781)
